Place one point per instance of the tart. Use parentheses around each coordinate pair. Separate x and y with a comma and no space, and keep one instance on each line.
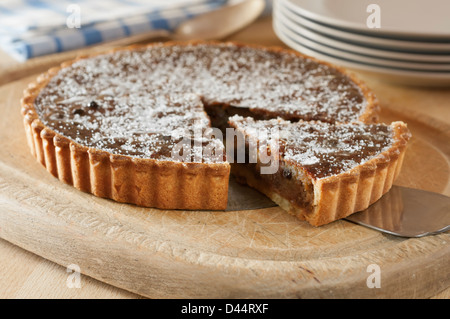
(322,172)
(111,124)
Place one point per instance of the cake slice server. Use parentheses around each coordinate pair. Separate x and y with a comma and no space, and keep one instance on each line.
(407,212)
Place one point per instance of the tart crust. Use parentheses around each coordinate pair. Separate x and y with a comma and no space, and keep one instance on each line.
(176,185)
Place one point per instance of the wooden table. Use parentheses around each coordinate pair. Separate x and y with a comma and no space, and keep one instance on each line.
(26,275)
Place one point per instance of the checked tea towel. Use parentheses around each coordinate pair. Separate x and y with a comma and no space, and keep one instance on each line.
(31,28)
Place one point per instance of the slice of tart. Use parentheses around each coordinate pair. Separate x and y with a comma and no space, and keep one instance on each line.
(322,172)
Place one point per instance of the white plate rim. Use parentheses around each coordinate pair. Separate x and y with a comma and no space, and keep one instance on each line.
(381,43)
(376,53)
(343,24)
(360,58)
(353,65)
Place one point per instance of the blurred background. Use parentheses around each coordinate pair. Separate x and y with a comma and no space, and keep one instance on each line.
(406,41)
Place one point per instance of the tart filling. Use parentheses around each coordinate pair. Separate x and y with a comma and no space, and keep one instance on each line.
(314,157)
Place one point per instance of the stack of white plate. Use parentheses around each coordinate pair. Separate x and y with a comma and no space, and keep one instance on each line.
(405,41)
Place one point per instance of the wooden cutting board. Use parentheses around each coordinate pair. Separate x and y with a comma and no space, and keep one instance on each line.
(255,253)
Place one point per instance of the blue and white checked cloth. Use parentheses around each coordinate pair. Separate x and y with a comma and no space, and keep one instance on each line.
(31,28)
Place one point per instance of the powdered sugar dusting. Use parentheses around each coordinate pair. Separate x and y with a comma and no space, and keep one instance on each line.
(131,101)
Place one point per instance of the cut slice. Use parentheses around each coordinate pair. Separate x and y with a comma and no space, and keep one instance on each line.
(323,172)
